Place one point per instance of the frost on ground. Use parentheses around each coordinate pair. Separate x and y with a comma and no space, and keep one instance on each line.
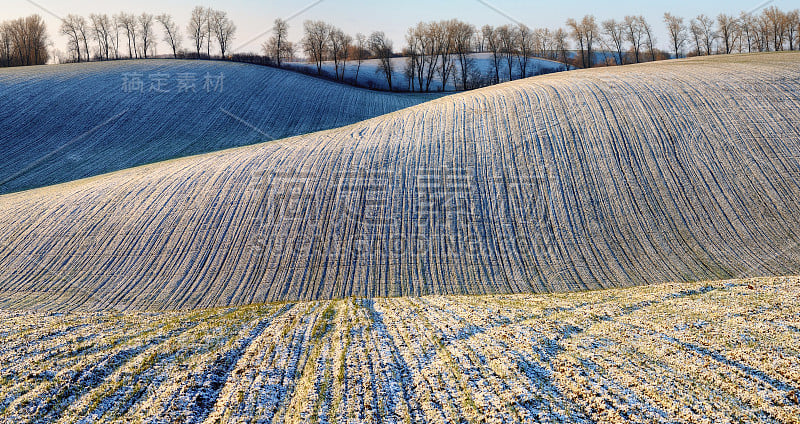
(65,122)
(724,351)
(671,171)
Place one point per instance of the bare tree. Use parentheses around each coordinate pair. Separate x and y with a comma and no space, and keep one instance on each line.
(543,41)
(634,31)
(25,41)
(409,70)
(101,27)
(82,29)
(493,45)
(315,41)
(481,44)
(442,33)
(19,41)
(146,33)
(278,47)
(128,23)
(196,28)
(382,49)
(172,33)
(524,48)
(677,32)
(748,29)
(462,34)
(727,31)
(223,29)
(585,34)
(649,38)
(591,32)
(413,57)
(415,67)
(576,31)
(615,36)
(561,44)
(339,48)
(775,20)
(763,33)
(114,35)
(428,39)
(707,33)
(793,28)
(37,38)
(97,34)
(697,34)
(508,46)
(69,27)
(6,53)
(361,52)
(208,27)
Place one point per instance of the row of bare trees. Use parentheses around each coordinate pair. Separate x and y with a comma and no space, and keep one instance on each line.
(439,53)
(434,51)
(444,51)
(23,42)
(441,50)
(206,26)
(632,39)
(324,42)
(104,37)
(772,30)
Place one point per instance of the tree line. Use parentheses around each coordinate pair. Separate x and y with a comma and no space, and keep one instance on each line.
(126,35)
(23,42)
(434,53)
(440,52)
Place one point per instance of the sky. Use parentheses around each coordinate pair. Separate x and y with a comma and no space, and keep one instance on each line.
(253,18)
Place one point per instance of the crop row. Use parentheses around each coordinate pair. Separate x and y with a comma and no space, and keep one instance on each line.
(726,351)
(675,171)
(62,123)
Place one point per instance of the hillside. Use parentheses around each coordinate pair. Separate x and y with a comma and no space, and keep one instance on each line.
(61,123)
(661,354)
(672,171)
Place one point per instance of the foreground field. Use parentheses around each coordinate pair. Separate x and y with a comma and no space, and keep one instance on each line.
(726,351)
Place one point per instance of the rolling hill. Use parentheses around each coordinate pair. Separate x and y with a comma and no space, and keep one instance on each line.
(62,123)
(672,171)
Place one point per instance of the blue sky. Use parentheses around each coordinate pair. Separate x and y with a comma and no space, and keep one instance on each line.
(254,17)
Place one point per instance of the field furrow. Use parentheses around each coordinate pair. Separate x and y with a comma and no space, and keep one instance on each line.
(670,171)
(724,351)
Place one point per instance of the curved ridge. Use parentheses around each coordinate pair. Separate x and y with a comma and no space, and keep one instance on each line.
(66,122)
(682,170)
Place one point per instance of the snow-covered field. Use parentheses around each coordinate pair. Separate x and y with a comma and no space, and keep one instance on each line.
(61,123)
(672,171)
(725,351)
(369,75)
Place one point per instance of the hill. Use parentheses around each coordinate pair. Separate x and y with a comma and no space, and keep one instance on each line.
(672,171)
(662,354)
(65,122)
